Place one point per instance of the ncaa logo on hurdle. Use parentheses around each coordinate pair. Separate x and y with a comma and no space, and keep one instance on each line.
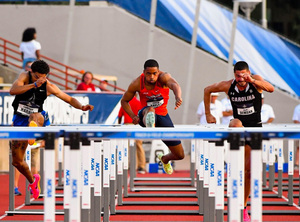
(49,188)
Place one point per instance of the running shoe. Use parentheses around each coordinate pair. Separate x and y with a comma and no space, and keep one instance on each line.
(167,166)
(17,192)
(32,124)
(150,120)
(246,216)
(141,170)
(35,186)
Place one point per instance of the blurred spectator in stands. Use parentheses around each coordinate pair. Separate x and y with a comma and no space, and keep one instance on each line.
(29,47)
(227,110)
(215,108)
(135,105)
(86,82)
(103,85)
(267,112)
(28,66)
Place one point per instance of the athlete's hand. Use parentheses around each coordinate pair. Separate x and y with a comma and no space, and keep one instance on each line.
(210,118)
(87,107)
(178,103)
(135,120)
(40,81)
(248,77)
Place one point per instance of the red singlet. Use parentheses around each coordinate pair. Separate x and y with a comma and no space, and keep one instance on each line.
(154,97)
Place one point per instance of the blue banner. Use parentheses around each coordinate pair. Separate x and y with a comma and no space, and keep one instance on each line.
(106,108)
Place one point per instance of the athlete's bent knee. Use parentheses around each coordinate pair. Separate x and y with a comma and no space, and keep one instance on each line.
(235,123)
(180,156)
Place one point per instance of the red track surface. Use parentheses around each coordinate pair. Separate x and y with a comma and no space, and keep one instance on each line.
(19,200)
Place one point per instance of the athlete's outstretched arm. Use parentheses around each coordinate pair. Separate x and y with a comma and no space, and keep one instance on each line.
(217,87)
(53,89)
(260,83)
(174,86)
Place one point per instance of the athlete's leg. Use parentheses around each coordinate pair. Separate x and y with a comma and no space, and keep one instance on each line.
(149,117)
(177,153)
(18,149)
(247,173)
(235,123)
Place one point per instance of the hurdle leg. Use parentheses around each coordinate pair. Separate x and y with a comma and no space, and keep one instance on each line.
(280,183)
(212,208)
(125,166)
(299,192)
(219,199)
(120,171)
(201,197)
(67,180)
(206,182)
(265,150)
(11,206)
(75,177)
(264,176)
(291,171)
(201,176)
(234,212)
(113,176)
(59,158)
(279,146)
(98,181)
(271,165)
(132,164)
(42,168)
(192,163)
(49,178)
(256,171)
(206,205)
(212,180)
(86,179)
(106,179)
(28,161)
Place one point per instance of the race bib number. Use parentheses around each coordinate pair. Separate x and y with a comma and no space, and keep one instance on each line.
(245,111)
(156,102)
(26,108)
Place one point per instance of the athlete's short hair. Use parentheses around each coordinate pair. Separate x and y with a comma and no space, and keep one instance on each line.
(151,63)
(40,66)
(241,65)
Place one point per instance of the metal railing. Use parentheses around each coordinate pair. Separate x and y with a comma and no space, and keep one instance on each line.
(65,77)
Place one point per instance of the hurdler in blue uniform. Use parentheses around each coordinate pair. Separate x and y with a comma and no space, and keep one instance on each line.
(31,90)
(244,92)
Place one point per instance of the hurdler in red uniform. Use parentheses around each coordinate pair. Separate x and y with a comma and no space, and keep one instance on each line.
(153,87)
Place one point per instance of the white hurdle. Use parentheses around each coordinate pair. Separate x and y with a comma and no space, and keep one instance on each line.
(49,180)
(67,180)
(256,182)
(75,175)
(98,144)
(85,150)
